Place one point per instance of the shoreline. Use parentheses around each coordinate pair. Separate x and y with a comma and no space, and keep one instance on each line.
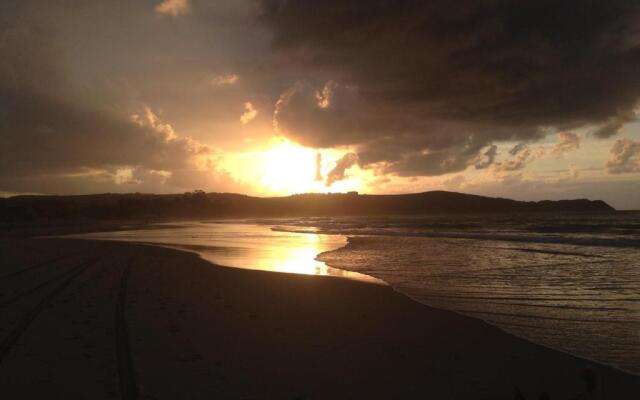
(239,333)
(373,279)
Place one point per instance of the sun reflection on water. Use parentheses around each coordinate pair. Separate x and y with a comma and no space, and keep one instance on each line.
(288,252)
(248,246)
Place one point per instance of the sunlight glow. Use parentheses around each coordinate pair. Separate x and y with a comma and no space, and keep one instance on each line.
(288,167)
(284,168)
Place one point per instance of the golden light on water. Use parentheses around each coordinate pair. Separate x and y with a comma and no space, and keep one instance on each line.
(297,255)
(301,260)
(283,168)
(246,246)
(287,252)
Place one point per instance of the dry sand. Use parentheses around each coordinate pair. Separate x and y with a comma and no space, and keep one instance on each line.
(102,320)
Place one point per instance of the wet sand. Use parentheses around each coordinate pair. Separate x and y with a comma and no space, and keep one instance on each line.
(107,320)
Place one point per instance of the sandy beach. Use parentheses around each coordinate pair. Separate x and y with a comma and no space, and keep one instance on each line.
(107,320)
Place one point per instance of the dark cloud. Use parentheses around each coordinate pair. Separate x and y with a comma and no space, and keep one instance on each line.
(406,141)
(613,126)
(342,165)
(625,157)
(46,135)
(439,161)
(425,86)
(328,116)
(488,157)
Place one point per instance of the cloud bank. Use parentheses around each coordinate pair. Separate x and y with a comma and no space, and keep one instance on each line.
(58,138)
(426,87)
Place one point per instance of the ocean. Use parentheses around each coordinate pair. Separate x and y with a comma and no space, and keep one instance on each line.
(567,281)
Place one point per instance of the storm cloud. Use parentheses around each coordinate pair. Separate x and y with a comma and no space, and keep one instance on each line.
(425,87)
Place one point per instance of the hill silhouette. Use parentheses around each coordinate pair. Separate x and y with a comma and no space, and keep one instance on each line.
(199,204)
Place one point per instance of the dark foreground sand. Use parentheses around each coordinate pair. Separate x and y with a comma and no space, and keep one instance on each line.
(100,320)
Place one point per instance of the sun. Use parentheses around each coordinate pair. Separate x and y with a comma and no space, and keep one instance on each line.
(283,167)
(288,168)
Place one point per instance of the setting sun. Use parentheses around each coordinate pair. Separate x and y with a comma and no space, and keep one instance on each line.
(288,167)
(284,167)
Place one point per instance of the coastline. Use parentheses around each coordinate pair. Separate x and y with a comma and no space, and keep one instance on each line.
(198,330)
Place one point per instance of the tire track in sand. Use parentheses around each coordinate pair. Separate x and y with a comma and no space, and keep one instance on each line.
(126,374)
(39,265)
(36,288)
(10,340)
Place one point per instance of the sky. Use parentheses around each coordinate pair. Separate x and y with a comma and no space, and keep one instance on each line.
(522,99)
